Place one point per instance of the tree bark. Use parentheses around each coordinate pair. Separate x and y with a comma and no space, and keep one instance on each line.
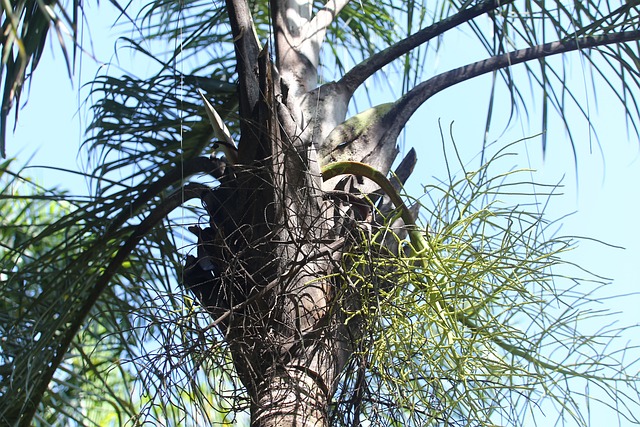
(266,259)
(269,264)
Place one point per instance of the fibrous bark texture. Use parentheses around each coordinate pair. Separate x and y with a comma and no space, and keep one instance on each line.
(269,262)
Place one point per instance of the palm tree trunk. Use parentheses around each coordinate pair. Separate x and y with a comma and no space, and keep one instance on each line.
(297,391)
(265,264)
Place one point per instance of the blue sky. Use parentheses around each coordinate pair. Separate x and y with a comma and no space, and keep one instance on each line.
(604,199)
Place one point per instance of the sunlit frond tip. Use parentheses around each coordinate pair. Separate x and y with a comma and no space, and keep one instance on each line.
(25,28)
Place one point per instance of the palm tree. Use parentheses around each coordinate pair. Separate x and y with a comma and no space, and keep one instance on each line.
(321,295)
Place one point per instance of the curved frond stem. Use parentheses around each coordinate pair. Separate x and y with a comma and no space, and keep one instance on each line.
(406,106)
(361,72)
(332,249)
(334,169)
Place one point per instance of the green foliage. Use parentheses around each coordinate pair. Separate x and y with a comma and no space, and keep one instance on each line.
(482,326)
(29,306)
(143,352)
(25,26)
(478,329)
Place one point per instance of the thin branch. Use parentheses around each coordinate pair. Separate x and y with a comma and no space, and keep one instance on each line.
(173,176)
(404,108)
(611,17)
(332,249)
(361,72)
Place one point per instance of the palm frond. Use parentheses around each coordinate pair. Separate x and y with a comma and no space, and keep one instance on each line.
(142,333)
(533,23)
(502,341)
(139,334)
(26,25)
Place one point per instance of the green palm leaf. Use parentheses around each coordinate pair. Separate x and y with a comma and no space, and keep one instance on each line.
(91,300)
